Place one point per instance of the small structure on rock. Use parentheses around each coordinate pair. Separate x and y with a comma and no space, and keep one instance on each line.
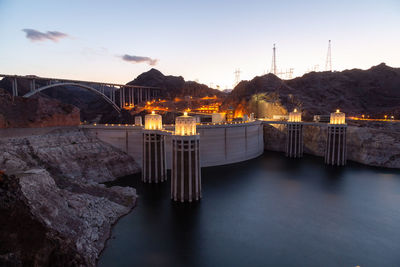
(138,121)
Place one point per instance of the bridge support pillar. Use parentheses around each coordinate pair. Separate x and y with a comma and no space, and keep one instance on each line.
(14,85)
(132,98)
(336,152)
(294,140)
(32,85)
(123,96)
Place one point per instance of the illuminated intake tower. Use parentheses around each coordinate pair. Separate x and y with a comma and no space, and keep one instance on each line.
(185,169)
(294,139)
(335,153)
(153,162)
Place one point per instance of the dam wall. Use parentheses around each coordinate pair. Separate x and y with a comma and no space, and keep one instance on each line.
(220,144)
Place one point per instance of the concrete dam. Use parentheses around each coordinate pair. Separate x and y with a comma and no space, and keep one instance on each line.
(220,144)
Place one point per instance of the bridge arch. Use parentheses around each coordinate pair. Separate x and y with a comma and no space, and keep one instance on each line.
(106,98)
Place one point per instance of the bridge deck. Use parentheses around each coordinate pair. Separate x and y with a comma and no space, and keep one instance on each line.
(30,77)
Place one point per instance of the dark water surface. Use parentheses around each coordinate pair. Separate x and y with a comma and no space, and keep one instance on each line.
(271,211)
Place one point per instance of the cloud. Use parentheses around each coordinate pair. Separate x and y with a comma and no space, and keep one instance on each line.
(138,59)
(35,35)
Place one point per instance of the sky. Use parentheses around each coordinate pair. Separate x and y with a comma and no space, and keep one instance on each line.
(206,41)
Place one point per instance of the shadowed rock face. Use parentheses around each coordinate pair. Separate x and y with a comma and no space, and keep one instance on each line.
(68,213)
(375,91)
(35,112)
(25,239)
(174,86)
(374,146)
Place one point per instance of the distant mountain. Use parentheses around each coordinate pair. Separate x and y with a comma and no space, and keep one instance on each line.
(174,86)
(227,91)
(375,91)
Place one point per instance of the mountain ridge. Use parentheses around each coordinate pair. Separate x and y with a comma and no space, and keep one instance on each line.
(375,91)
(175,86)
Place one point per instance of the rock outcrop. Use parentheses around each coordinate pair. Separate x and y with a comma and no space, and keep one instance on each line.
(35,112)
(25,240)
(57,177)
(371,146)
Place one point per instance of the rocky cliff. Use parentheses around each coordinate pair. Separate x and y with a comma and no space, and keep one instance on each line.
(371,146)
(54,182)
(35,112)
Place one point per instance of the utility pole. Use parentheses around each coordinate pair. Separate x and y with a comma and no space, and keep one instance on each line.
(273,65)
(328,63)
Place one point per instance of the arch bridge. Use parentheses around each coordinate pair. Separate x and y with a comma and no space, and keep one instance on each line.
(118,95)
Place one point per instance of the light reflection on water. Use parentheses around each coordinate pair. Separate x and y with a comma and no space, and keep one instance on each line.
(268,211)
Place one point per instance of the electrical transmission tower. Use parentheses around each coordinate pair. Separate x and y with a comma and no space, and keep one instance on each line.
(237,77)
(328,64)
(288,74)
(273,65)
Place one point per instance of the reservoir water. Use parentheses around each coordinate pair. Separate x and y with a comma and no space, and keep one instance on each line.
(270,211)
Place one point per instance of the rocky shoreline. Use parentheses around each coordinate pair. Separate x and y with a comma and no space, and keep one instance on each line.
(370,145)
(53,182)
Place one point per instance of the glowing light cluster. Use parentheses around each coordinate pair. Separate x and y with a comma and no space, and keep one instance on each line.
(213,107)
(153,121)
(185,125)
(209,97)
(295,116)
(128,106)
(338,117)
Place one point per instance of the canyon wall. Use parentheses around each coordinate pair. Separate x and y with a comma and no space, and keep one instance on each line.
(371,146)
(21,112)
(55,180)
